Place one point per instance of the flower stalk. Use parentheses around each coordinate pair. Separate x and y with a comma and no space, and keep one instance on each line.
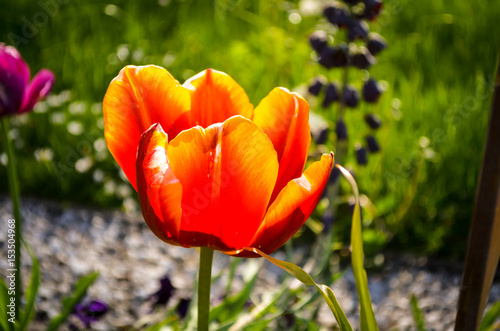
(16,209)
(204,283)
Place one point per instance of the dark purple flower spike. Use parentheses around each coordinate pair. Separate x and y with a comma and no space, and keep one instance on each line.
(356,52)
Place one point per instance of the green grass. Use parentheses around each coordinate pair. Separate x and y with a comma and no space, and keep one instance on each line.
(439,65)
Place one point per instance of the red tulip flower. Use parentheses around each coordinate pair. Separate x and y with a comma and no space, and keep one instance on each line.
(17,93)
(210,170)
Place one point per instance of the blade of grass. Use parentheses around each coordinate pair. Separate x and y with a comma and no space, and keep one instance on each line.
(192,314)
(232,306)
(490,317)
(69,303)
(31,291)
(304,277)
(417,314)
(368,322)
(261,309)
(4,301)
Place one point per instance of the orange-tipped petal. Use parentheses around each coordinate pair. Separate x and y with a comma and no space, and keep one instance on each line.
(284,117)
(137,98)
(215,97)
(160,193)
(291,208)
(227,172)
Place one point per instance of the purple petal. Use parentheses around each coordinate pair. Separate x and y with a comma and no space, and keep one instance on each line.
(11,93)
(90,312)
(11,60)
(164,293)
(37,89)
(14,76)
(97,307)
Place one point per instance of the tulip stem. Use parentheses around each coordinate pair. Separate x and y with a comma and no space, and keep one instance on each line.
(16,211)
(204,282)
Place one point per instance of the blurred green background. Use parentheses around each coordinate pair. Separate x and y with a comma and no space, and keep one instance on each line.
(439,72)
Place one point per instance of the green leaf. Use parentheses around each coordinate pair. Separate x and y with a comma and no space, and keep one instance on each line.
(192,314)
(31,291)
(417,314)
(490,317)
(368,322)
(269,304)
(304,277)
(232,306)
(69,303)
(4,301)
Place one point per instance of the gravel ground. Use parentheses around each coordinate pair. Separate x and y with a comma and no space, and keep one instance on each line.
(71,241)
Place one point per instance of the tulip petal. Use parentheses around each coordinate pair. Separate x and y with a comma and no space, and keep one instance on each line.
(11,92)
(227,172)
(14,76)
(284,117)
(215,97)
(37,89)
(136,99)
(159,191)
(292,207)
(11,60)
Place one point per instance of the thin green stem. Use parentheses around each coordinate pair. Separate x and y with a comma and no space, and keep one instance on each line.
(204,282)
(340,145)
(16,209)
(345,80)
(333,190)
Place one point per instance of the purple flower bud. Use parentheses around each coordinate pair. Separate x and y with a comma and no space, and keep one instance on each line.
(316,85)
(338,15)
(17,94)
(373,121)
(164,293)
(363,59)
(326,57)
(337,56)
(322,136)
(351,96)
(371,90)
(90,312)
(341,58)
(331,94)
(357,30)
(372,143)
(318,40)
(183,306)
(352,2)
(361,155)
(372,9)
(376,43)
(341,130)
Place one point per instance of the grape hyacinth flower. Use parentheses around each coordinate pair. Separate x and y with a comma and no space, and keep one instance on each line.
(357,49)
(17,94)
